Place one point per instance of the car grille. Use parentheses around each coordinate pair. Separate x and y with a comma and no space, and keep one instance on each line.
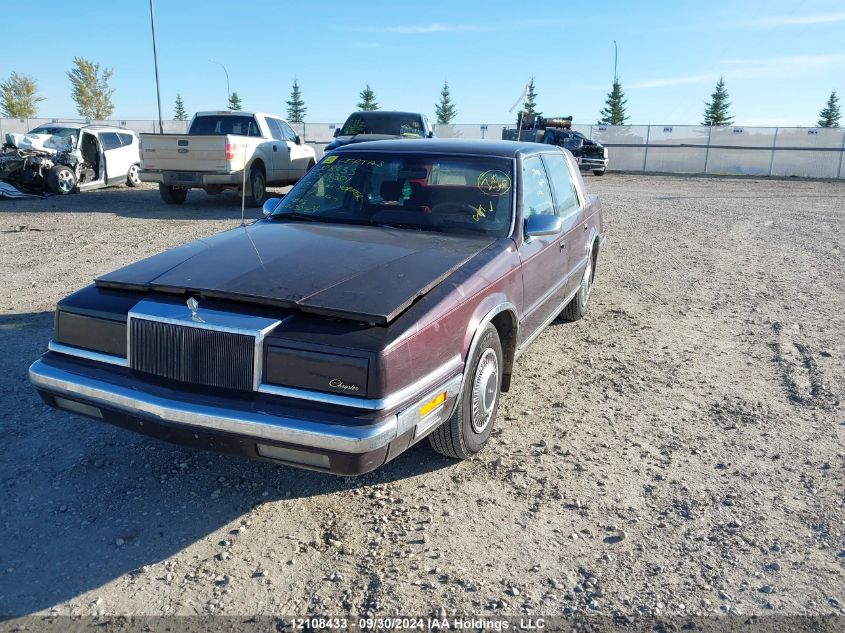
(199,356)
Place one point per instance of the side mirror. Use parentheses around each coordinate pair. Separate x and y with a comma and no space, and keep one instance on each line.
(271,204)
(336,132)
(539,225)
(298,140)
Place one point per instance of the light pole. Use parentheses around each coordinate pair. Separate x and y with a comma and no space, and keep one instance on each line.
(615,57)
(155,62)
(228,92)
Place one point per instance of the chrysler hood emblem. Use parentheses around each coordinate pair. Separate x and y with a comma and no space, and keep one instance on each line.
(193,306)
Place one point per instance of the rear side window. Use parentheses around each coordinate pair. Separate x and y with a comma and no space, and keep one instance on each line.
(222,124)
(536,194)
(275,129)
(125,139)
(109,140)
(564,189)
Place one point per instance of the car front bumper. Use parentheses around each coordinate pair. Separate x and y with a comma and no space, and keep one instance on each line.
(586,164)
(329,439)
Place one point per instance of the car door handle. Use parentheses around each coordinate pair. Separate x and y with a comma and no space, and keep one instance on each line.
(275,148)
(586,227)
(562,245)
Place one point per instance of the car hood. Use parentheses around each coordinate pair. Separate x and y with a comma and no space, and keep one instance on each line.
(364,273)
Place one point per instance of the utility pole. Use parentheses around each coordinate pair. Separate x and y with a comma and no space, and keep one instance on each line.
(155,62)
(228,92)
(615,57)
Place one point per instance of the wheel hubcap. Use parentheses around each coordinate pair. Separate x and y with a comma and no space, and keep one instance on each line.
(65,180)
(257,188)
(133,173)
(485,390)
(587,282)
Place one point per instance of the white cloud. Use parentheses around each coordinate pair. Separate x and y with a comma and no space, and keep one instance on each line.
(798,20)
(674,81)
(436,27)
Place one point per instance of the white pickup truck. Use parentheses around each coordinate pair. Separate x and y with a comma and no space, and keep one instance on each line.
(215,151)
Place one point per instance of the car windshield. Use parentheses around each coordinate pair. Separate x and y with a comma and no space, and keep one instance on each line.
(57,132)
(393,123)
(222,124)
(445,193)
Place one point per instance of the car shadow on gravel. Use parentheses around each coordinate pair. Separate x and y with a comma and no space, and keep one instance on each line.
(141,203)
(89,503)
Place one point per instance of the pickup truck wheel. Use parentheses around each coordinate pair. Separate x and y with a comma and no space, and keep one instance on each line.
(61,180)
(133,176)
(577,308)
(257,187)
(598,172)
(467,431)
(171,194)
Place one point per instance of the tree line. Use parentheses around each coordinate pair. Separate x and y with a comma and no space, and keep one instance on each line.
(92,93)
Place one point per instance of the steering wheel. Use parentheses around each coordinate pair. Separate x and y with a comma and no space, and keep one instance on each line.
(458,207)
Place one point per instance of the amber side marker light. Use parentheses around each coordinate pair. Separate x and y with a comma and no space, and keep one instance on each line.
(431,405)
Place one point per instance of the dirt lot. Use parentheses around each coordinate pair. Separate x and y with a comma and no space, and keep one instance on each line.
(681,450)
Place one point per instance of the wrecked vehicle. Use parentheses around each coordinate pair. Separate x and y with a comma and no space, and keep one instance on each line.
(62,158)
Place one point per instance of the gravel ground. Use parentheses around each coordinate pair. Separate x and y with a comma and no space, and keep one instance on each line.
(679,451)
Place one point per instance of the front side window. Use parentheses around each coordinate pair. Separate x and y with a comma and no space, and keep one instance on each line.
(564,189)
(275,129)
(443,193)
(536,194)
(288,132)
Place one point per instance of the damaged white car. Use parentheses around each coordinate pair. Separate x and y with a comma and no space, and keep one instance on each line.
(62,158)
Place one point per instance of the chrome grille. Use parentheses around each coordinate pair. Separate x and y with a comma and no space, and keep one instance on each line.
(199,356)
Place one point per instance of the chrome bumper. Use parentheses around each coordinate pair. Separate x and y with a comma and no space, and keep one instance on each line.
(252,423)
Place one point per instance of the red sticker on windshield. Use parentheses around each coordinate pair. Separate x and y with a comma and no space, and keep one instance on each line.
(494,182)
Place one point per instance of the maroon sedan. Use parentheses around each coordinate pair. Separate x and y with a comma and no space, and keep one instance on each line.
(384,299)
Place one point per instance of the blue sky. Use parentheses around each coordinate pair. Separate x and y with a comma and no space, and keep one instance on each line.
(780,59)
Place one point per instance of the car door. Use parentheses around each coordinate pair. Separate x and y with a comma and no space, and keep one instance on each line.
(116,166)
(300,154)
(279,152)
(543,258)
(569,207)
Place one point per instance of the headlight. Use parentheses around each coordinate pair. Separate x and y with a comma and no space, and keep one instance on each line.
(604,152)
(92,333)
(317,371)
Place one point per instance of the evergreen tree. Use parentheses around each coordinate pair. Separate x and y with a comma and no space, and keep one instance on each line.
(235,102)
(614,110)
(830,114)
(717,111)
(530,104)
(91,89)
(19,96)
(445,110)
(368,99)
(179,111)
(296,105)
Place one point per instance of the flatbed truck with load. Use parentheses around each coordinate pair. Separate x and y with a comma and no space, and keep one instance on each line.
(589,154)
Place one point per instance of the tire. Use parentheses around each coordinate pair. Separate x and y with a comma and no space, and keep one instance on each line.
(468,430)
(257,187)
(133,176)
(577,308)
(598,172)
(171,194)
(61,179)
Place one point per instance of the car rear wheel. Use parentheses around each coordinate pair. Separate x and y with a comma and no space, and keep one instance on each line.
(133,176)
(172,195)
(61,180)
(577,308)
(598,172)
(468,430)
(257,187)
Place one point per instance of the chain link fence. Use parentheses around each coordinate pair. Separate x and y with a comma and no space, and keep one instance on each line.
(688,149)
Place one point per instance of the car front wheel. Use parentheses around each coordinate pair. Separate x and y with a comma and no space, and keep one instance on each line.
(61,180)
(468,430)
